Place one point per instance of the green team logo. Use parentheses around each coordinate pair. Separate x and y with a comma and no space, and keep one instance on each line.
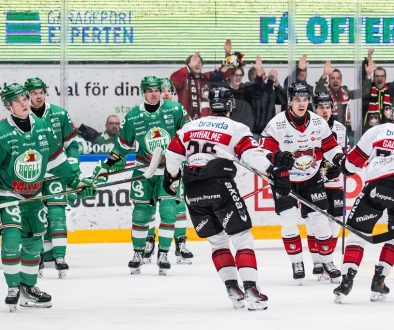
(157,137)
(28,166)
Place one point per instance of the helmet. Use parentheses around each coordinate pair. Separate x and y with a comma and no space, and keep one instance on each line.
(322,98)
(35,83)
(167,83)
(221,99)
(150,82)
(388,112)
(297,89)
(11,92)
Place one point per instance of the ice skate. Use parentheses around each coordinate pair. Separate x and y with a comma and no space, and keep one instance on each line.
(333,272)
(298,271)
(183,255)
(149,249)
(136,262)
(345,287)
(254,299)
(41,267)
(378,287)
(31,296)
(62,267)
(235,294)
(163,262)
(318,271)
(12,298)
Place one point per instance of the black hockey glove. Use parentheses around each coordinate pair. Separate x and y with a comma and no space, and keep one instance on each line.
(333,172)
(340,161)
(279,178)
(171,184)
(283,158)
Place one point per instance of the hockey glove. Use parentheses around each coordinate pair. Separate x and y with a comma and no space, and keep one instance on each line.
(87,193)
(170,183)
(100,173)
(74,165)
(332,172)
(283,158)
(81,182)
(71,199)
(279,178)
(340,161)
(119,166)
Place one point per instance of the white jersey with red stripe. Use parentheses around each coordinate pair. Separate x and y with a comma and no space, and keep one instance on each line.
(376,148)
(194,143)
(339,131)
(308,143)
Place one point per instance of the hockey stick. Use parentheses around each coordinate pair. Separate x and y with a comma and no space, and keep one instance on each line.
(254,192)
(373,239)
(149,172)
(128,169)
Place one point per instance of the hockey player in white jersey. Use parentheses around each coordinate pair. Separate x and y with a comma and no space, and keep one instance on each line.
(217,210)
(375,148)
(333,180)
(299,139)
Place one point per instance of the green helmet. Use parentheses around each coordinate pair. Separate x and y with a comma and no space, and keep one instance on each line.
(150,82)
(167,83)
(35,83)
(11,92)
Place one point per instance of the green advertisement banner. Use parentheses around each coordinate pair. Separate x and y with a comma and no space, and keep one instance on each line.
(145,31)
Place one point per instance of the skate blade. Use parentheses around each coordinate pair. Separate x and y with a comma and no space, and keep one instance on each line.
(257,305)
(62,274)
(162,272)
(40,273)
(147,260)
(34,304)
(300,281)
(135,271)
(339,298)
(377,296)
(335,280)
(183,261)
(13,308)
(238,304)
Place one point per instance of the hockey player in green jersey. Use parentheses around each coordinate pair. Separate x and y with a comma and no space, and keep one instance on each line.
(55,239)
(181,251)
(151,124)
(28,149)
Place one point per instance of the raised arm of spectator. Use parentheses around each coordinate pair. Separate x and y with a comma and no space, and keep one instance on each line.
(321,84)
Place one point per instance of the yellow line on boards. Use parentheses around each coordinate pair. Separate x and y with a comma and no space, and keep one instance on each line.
(124,235)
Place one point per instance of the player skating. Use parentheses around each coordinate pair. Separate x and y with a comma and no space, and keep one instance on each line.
(28,149)
(215,206)
(151,124)
(55,240)
(298,139)
(376,149)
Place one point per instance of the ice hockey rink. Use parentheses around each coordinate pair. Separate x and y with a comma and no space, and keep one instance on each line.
(99,293)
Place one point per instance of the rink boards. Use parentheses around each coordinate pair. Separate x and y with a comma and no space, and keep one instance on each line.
(107,218)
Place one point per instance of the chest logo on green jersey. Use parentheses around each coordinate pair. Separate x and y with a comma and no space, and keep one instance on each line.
(157,137)
(28,165)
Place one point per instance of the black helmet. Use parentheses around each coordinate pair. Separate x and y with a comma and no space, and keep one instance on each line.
(297,89)
(221,99)
(322,98)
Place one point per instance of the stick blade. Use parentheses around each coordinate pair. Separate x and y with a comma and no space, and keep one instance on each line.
(154,163)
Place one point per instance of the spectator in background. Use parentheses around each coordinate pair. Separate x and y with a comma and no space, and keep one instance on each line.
(340,94)
(301,74)
(192,85)
(380,95)
(263,93)
(242,112)
(112,126)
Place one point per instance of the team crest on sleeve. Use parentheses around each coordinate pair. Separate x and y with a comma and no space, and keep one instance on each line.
(157,137)
(28,166)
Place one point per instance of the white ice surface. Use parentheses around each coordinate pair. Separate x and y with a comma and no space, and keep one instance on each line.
(99,293)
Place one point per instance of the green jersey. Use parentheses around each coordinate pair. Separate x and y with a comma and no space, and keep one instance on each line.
(25,157)
(61,124)
(150,129)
